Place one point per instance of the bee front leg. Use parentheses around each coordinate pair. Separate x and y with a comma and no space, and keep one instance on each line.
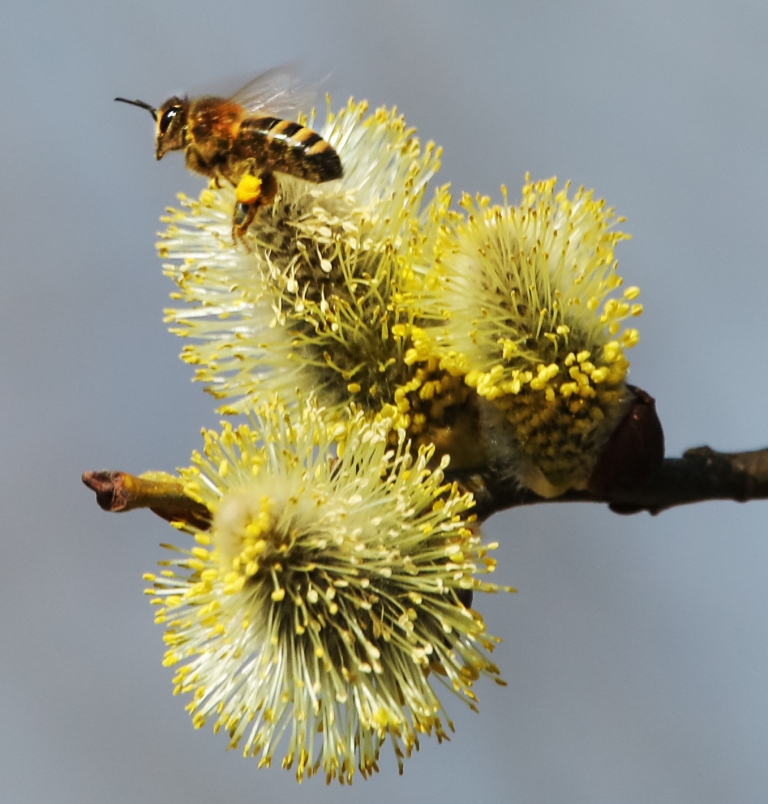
(251,194)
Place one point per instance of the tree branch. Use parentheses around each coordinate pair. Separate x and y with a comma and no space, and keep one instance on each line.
(701,474)
(161,493)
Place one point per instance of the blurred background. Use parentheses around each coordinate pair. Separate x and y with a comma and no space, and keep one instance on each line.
(636,650)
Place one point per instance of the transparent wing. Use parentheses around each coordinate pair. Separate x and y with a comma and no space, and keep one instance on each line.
(277,92)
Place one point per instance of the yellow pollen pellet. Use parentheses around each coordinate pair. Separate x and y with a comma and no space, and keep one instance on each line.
(248,189)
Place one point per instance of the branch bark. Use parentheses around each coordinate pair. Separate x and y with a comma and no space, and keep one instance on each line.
(162,494)
(701,474)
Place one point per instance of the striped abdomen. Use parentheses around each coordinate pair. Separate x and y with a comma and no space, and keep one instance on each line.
(287,147)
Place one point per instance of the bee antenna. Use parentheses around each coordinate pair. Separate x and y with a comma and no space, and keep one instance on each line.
(141,105)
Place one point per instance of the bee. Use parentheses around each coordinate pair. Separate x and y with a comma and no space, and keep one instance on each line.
(244,140)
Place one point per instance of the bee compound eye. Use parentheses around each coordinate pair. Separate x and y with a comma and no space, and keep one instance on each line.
(168,115)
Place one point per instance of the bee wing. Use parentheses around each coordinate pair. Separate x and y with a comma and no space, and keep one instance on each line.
(277,92)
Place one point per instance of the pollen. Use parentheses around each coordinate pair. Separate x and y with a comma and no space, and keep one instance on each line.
(248,189)
(333,587)
(334,292)
(529,307)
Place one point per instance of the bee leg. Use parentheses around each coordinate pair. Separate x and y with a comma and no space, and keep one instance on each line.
(242,217)
(268,189)
(252,193)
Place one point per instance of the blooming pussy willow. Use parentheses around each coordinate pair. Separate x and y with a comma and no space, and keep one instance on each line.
(327,594)
(534,327)
(329,294)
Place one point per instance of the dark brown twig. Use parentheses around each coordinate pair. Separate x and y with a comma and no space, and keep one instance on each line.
(701,474)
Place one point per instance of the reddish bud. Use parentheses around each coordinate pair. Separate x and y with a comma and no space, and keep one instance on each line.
(634,450)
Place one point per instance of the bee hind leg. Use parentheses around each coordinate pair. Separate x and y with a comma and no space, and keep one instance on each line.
(252,193)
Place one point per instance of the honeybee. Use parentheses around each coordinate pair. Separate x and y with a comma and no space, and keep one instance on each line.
(243,140)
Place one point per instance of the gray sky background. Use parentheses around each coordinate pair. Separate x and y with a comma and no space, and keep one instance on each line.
(636,650)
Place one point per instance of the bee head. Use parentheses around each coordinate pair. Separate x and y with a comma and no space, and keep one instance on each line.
(171,120)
